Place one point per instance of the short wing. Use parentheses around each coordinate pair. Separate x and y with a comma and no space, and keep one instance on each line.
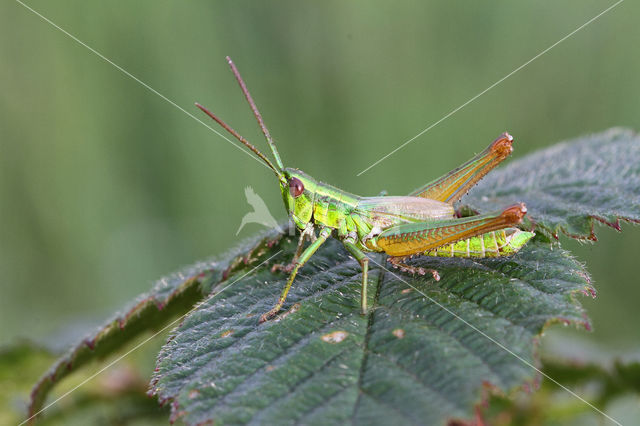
(414,238)
(389,211)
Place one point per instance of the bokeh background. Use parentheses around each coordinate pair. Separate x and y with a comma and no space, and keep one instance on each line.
(105,186)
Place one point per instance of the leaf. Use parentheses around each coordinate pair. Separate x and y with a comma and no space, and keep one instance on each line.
(409,360)
(422,355)
(569,185)
(127,409)
(169,297)
(605,382)
(613,380)
(116,397)
(20,365)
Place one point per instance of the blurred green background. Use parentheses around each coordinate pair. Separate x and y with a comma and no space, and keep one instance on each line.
(105,186)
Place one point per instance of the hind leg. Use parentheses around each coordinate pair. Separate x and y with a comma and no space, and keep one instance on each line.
(397,263)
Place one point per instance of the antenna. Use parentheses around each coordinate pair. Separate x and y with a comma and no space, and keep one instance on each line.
(256,113)
(240,138)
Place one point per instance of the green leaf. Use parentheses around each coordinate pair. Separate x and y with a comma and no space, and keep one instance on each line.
(409,360)
(426,352)
(115,397)
(20,365)
(171,296)
(604,383)
(569,185)
(423,354)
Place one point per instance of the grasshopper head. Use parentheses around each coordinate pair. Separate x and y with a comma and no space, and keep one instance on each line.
(298,189)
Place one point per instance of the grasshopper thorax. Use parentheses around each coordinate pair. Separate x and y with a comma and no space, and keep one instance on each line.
(298,193)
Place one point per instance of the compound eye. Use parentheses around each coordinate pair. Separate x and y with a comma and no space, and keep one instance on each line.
(296,188)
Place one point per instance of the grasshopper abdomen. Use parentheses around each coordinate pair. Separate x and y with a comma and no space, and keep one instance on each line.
(499,243)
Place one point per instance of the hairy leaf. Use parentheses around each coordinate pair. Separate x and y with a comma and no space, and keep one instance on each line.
(607,383)
(412,359)
(115,397)
(568,186)
(20,365)
(426,352)
(169,297)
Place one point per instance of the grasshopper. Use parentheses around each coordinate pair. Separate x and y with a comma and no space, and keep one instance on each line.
(422,223)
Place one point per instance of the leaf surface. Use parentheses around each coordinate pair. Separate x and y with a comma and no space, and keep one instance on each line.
(170,296)
(115,397)
(412,359)
(428,351)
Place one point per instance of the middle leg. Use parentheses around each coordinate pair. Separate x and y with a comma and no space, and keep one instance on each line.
(364,263)
(289,267)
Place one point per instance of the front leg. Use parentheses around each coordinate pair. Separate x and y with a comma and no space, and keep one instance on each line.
(306,255)
(306,233)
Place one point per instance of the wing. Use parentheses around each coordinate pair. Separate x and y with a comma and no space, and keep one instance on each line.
(384,212)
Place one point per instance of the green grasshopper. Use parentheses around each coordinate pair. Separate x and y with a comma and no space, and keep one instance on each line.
(423,223)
